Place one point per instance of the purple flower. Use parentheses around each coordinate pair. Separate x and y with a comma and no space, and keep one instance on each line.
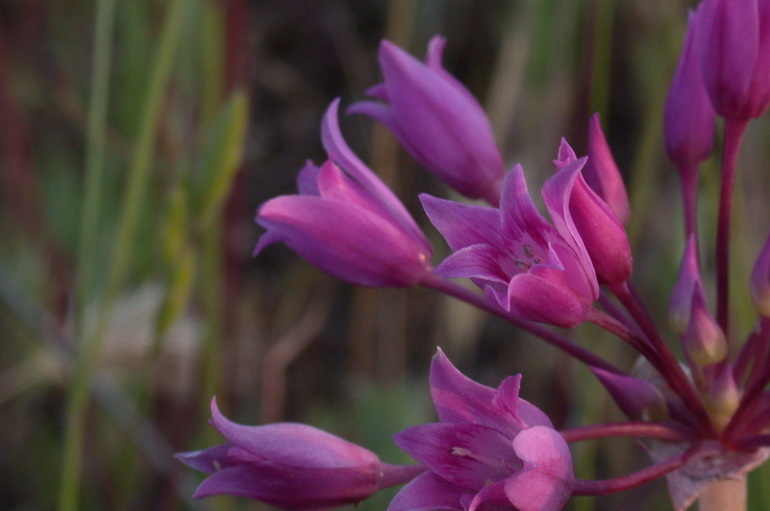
(437,120)
(346,221)
(734,48)
(602,173)
(689,117)
(760,281)
(526,266)
(290,466)
(600,229)
(491,450)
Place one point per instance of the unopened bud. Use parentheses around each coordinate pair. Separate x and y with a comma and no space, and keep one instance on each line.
(704,340)
(637,398)
(681,297)
(760,281)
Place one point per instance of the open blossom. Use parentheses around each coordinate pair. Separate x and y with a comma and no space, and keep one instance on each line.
(526,266)
(346,221)
(437,120)
(491,450)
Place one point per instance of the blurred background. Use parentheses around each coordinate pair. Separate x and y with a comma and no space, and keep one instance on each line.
(137,139)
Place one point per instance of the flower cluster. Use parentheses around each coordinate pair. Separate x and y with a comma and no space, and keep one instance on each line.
(702,420)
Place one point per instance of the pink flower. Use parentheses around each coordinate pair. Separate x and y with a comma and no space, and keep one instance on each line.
(491,450)
(437,120)
(526,266)
(346,221)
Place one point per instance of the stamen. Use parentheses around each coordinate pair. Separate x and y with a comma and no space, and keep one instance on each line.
(528,250)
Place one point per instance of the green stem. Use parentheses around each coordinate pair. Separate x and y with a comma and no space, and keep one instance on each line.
(89,216)
(89,351)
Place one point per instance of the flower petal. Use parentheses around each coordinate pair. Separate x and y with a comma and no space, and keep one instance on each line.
(462,225)
(468,455)
(458,399)
(344,240)
(427,492)
(293,445)
(546,482)
(207,460)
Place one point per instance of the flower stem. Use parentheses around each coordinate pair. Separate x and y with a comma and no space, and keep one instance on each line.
(623,429)
(689,178)
(670,368)
(724,495)
(618,484)
(451,288)
(734,129)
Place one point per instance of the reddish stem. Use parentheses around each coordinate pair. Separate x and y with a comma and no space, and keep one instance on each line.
(689,177)
(734,129)
(669,365)
(624,429)
(451,288)
(603,487)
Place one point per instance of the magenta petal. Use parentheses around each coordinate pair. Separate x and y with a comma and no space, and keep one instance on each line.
(546,482)
(689,117)
(468,455)
(461,224)
(556,194)
(307,179)
(293,444)
(341,153)
(637,398)
(458,399)
(602,173)
(729,44)
(520,218)
(491,497)
(207,460)
(291,487)
(428,492)
(760,281)
(476,261)
(344,240)
(602,234)
(546,301)
(507,400)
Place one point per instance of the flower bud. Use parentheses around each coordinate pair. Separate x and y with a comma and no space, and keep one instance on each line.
(637,398)
(729,45)
(437,120)
(602,233)
(723,396)
(287,465)
(602,174)
(704,340)
(688,119)
(681,297)
(760,281)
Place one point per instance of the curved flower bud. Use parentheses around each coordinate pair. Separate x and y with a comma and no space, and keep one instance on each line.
(526,267)
(760,281)
(346,221)
(729,44)
(759,89)
(637,398)
(602,233)
(688,117)
(437,120)
(602,174)
(287,465)
(491,448)
(704,340)
(680,303)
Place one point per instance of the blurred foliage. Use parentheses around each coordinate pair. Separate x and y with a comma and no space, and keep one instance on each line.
(131,166)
